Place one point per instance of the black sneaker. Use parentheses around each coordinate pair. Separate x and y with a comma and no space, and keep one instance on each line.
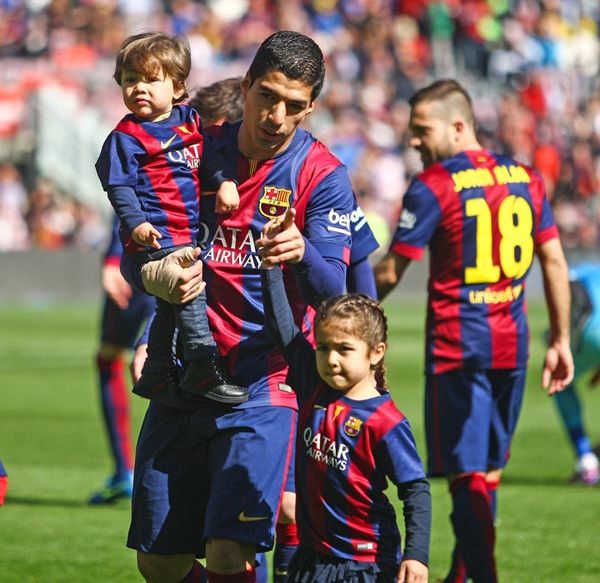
(206,379)
(159,382)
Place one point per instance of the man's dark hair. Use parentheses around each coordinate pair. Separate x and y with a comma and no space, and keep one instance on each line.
(221,100)
(451,94)
(295,55)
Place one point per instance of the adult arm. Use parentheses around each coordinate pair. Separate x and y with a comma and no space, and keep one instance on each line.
(558,366)
(388,273)
(360,278)
(113,283)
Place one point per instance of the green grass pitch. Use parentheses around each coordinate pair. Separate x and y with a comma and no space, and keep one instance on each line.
(53,445)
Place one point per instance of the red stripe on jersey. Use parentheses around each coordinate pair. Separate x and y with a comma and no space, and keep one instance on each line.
(444,292)
(405,250)
(547,234)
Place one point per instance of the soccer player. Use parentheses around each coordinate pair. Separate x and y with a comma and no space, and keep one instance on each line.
(3,483)
(483,216)
(585,343)
(351,440)
(150,167)
(208,482)
(123,313)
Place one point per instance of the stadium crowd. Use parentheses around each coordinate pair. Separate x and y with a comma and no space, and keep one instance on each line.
(530,64)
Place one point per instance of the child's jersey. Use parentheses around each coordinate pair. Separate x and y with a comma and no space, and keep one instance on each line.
(482,216)
(160,161)
(306,176)
(346,451)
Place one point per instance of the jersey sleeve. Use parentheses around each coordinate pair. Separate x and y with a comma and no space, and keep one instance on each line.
(327,222)
(363,240)
(420,216)
(397,454)
(117,164)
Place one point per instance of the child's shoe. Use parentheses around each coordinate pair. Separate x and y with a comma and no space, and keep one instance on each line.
(206,378)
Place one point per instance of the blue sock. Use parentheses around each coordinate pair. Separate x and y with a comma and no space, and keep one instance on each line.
(569,408)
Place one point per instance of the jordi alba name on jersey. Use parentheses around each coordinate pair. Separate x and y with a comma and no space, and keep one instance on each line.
(160,161)
(482,216)
(306,176)
(346,452)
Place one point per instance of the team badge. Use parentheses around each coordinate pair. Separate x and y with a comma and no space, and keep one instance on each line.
(352,426)
(274,201)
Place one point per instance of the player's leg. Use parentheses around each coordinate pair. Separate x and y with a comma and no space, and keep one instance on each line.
(171,487)
(3,483)
(248,461)
(119,329)
(458,415)
(286,531)
(570,409)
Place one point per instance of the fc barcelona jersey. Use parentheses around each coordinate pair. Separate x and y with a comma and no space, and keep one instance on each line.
(160,161)
(306,176)
(482,216)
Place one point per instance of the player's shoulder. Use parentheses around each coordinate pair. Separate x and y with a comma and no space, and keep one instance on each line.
(317,152)
(223,132)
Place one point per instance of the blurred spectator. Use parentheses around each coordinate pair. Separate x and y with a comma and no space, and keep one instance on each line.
(531,65)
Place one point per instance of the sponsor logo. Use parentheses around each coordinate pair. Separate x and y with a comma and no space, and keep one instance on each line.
(285,388)
(243,518)
(340,222)
(230,246)
(319,407)
(164,144)
(326,451)
(407,219)
(365,546)
(490,296)
(274,201)
(358,219)
(352,426)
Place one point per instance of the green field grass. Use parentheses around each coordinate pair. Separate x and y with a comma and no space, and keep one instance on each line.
(53,445)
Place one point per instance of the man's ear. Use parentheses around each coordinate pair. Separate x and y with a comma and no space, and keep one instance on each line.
(245,85)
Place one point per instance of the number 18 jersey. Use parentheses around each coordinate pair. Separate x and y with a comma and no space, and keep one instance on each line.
(482,216)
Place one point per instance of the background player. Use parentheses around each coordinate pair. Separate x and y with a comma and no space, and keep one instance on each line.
(350,434)
(585,343)
(124,311)
(3,483)
(483,217)
(178,505)
(149,166)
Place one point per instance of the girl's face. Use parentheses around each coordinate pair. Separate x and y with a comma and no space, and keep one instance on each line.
(149,97)
(344,361)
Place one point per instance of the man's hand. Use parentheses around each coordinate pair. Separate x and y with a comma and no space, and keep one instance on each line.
(412,571)
(558,367)
(282,241)
(228,197)
(146,235)
(177,278)
(115,286)
(137,362)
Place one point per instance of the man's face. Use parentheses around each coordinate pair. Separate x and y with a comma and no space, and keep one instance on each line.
(430,133)
(274,107)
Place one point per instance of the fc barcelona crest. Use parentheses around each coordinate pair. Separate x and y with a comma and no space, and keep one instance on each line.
(274,201)
(352,426)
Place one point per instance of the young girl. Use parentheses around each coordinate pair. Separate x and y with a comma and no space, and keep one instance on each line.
(351,439)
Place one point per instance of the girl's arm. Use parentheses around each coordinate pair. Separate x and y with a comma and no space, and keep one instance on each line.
(279,320)
(416,499)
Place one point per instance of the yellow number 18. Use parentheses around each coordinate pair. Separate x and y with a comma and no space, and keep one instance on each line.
(513,235)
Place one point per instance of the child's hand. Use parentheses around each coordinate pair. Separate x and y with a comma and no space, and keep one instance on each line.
(228,198)
(146,235)
(412,571)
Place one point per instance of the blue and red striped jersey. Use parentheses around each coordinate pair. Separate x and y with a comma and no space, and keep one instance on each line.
(363,240)
(160,161)
(482,215)
(306,176)
(345,454)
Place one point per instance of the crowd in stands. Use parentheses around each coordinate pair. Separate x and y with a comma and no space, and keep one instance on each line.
(532,66)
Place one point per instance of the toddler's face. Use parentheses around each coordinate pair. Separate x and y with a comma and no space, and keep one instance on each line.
(149,97)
